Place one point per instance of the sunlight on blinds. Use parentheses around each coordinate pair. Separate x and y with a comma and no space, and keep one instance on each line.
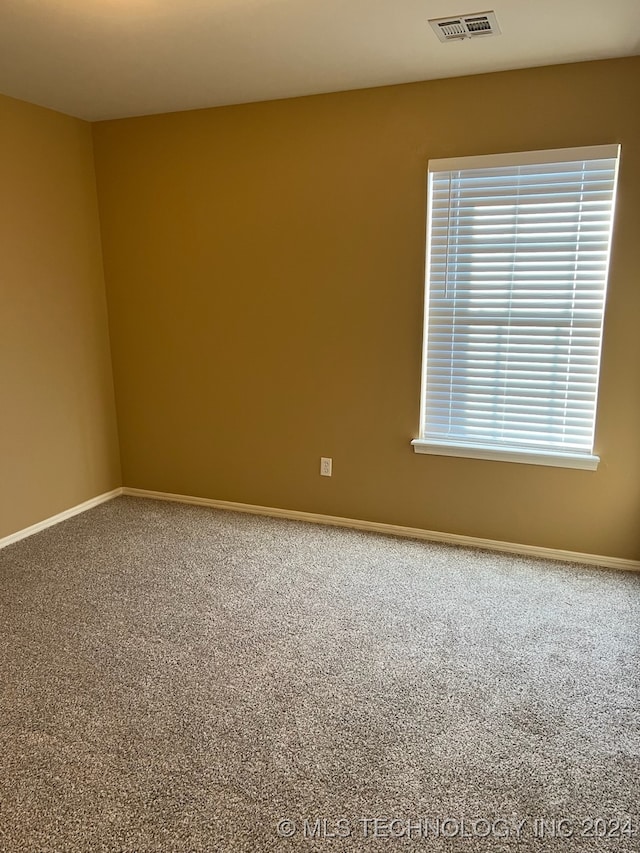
(516,280)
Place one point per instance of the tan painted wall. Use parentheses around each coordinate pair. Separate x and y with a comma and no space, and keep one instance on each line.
(264,269)
(58,440)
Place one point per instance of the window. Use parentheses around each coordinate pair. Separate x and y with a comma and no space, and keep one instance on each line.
(517,262)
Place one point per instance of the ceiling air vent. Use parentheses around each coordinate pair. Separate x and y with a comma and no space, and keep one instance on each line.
(466,26)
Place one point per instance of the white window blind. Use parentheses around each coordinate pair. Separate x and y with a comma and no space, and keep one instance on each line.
(517,262)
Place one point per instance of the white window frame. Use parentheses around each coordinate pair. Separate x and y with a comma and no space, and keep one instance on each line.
(475,450)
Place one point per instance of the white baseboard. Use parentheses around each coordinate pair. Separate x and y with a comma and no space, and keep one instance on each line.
(396,530)
(373,526)
(61,516)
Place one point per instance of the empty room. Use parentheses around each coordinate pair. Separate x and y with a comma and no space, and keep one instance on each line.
(320,432)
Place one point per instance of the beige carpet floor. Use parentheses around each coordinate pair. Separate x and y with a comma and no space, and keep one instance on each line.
(176,679)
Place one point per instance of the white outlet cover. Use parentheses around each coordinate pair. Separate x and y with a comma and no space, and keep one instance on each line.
(326,466)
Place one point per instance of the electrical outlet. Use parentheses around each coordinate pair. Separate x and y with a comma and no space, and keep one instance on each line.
(326,466)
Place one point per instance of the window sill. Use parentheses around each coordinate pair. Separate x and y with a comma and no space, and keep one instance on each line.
(586,461)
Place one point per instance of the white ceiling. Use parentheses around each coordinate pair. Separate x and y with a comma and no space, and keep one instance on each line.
(101,59)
